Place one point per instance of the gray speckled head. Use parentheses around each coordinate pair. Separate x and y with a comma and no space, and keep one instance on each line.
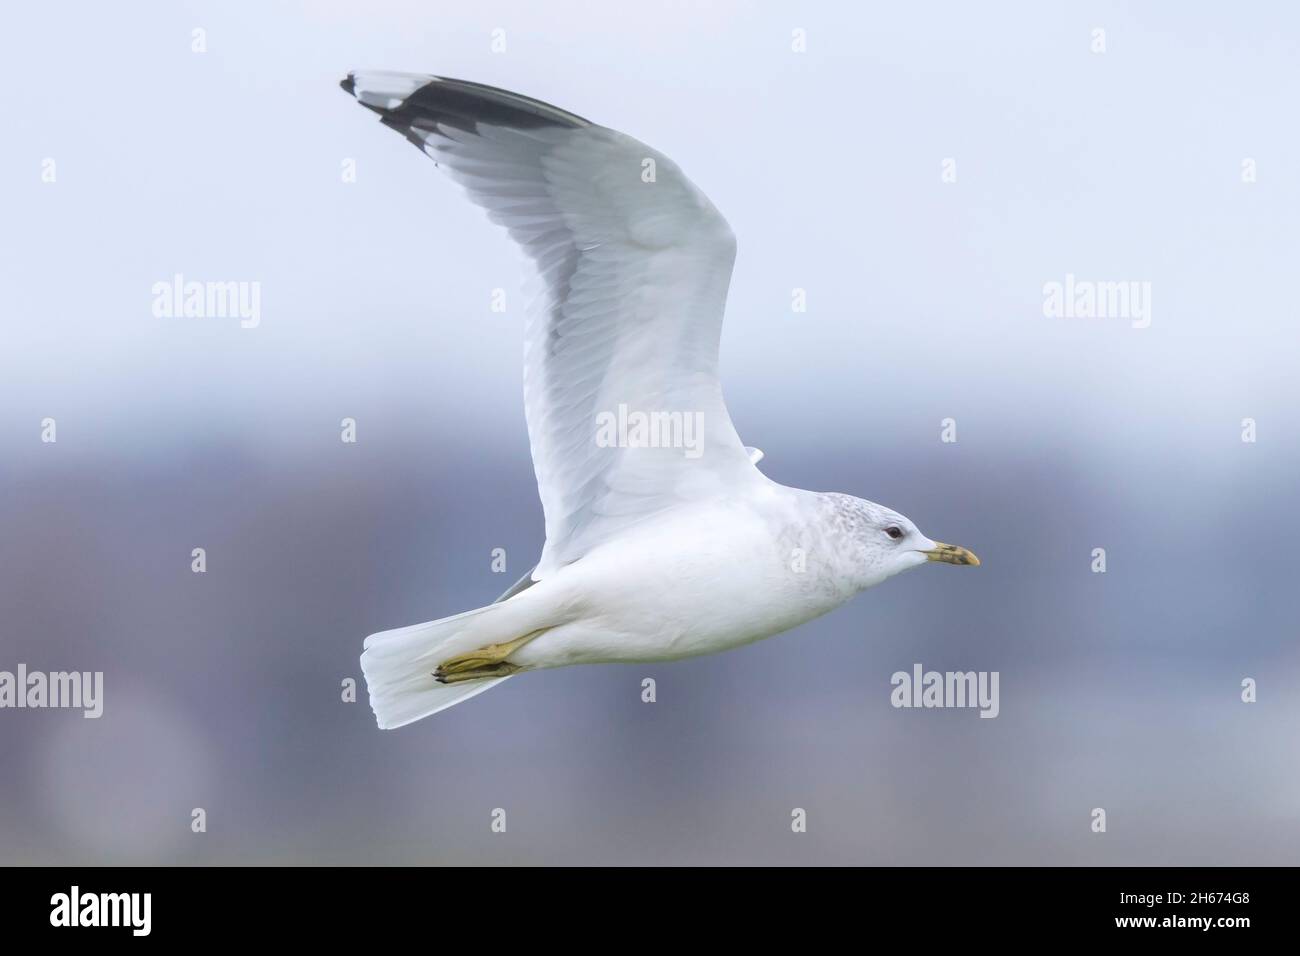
(870,542)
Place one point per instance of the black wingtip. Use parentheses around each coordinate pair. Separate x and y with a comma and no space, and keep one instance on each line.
(349,85)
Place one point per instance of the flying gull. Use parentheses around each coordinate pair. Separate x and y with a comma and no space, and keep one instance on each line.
(663,539)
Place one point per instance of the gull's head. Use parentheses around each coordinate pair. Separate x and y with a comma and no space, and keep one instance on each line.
(888,543)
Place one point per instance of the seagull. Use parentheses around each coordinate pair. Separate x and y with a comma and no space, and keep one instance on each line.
(663,539)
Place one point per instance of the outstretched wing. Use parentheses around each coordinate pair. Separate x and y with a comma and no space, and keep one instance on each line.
(625,412)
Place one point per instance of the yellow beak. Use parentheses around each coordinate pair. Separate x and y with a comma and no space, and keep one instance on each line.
(951,554)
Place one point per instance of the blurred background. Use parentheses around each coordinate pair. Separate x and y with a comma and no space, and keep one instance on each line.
(1119,690)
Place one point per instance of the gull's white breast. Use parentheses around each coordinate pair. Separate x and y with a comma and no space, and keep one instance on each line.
(694,581)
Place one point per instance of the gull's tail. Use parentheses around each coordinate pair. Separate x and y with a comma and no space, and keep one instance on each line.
(399,665)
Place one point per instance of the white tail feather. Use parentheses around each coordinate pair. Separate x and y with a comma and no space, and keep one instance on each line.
(399,664)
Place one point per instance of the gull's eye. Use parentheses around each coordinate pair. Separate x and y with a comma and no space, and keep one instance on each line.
(894,531)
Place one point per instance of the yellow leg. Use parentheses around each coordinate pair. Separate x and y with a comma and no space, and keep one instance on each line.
(487,661)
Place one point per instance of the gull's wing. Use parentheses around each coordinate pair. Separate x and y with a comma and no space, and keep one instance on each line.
(634,263)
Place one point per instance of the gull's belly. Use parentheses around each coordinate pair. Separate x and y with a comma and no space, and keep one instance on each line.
(696,584)
(684,612)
